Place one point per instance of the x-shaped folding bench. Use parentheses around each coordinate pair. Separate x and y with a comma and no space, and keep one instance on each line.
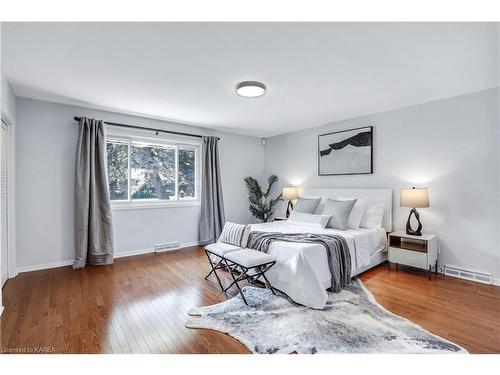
(246,260)
(239,262)
(215,253)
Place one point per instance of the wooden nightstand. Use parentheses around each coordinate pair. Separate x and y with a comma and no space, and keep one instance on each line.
(415,251)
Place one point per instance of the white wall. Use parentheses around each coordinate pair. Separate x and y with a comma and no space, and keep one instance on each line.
(8,102)
(45,154)
(451,146)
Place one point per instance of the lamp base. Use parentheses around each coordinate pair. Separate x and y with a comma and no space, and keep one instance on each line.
(409,230)
(288,208)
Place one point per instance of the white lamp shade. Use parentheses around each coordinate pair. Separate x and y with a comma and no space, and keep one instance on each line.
(290,193)
(414,197)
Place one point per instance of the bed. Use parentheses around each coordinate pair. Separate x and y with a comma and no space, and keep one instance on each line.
(301,270)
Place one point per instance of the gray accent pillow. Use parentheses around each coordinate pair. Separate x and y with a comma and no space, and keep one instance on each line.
(339,212)
(234,234)
(306,206)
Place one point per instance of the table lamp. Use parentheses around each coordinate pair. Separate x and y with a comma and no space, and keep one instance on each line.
(290,193)
(414,197)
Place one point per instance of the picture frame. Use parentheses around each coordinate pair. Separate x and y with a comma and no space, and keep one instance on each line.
(346,152)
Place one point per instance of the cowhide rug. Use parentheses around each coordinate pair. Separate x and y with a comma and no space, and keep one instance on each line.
(352,322)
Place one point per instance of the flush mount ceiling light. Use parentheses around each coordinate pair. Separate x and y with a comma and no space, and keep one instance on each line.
(250,89)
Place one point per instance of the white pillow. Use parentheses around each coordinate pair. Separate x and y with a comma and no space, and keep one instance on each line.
(309,220)
(357,212)
(373,217)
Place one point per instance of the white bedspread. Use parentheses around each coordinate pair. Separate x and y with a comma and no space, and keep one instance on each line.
(301,270)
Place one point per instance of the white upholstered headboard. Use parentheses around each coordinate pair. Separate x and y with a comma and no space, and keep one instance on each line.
(371,196)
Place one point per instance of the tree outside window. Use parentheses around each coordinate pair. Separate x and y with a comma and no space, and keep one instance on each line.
(157,172)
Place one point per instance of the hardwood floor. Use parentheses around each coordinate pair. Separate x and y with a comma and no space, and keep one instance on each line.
(139,305)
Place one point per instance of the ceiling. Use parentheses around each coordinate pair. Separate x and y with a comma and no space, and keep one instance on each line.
(187,72)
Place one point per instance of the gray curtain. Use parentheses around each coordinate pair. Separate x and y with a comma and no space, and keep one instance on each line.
(212,205)
(93,230)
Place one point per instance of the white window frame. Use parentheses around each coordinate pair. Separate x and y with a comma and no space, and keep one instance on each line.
(129,136)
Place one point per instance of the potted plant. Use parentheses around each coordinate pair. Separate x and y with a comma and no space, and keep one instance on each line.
(261,206)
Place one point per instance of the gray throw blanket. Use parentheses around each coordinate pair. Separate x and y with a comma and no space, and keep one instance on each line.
(337,250)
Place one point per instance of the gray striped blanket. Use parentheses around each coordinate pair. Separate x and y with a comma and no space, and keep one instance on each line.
(337,250)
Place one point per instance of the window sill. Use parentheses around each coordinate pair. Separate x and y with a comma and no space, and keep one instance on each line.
(145,206)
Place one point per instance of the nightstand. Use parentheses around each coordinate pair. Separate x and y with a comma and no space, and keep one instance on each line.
(415,251)
(279,218)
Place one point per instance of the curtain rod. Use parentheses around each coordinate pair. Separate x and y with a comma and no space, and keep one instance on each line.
(144,128)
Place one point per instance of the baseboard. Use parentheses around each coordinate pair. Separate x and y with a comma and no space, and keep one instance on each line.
(44,266)
(495,281)
(146,251)
(132,253)
(63,263)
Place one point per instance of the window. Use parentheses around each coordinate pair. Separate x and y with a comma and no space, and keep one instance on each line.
(143,172)
(118,170)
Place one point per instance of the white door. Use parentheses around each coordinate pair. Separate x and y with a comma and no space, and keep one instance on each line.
(3,203)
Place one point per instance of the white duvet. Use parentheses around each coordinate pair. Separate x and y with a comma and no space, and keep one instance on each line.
(301,270)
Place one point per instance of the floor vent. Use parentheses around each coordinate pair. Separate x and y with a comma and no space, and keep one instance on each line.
(480,277)
(167,246)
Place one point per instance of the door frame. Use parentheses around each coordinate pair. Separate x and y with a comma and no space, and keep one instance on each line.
(11,220)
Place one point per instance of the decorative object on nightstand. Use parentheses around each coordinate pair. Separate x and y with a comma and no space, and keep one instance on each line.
(414,197)
(290,193)
(415,251)
(279,218)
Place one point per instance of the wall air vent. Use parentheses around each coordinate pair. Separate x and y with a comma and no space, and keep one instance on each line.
(167,246)
(462,273)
